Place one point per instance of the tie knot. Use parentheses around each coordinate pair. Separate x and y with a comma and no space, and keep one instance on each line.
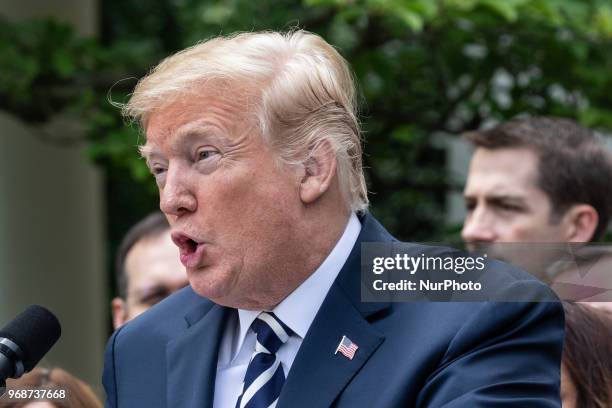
(271,332)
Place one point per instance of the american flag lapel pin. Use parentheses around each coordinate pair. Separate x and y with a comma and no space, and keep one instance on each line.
(347,348)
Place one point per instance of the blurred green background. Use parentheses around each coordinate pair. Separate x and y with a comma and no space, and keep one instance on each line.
(424,67)
(428,70)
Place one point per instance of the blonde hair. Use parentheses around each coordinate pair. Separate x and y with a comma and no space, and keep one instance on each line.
(299,90)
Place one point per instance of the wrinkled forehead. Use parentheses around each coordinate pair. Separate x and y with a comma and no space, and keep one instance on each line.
(221,104)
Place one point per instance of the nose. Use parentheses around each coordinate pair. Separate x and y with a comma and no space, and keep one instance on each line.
(478,227)
(175,196)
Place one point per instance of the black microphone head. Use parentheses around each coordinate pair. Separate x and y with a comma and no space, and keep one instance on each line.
(35,331)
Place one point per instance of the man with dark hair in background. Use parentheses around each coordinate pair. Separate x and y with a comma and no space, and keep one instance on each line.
(541,180)
(537,179)
(147,268)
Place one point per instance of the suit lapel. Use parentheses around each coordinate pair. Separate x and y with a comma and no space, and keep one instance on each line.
(318,375)
(191,359)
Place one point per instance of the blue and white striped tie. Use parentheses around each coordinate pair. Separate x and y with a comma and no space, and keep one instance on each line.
(265,377)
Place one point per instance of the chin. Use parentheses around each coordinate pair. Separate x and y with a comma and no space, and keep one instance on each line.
(208,285)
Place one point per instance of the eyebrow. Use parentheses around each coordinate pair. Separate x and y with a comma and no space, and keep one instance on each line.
(148,153)
(499,198)
(145,151)
(200,128)
(150,292)
(506,197)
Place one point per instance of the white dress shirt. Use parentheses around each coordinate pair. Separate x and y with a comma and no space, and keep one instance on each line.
(297,311)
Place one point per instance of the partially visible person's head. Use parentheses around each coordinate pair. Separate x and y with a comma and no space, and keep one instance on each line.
(537,179)
(147,267)
(586,376)
(254,142)
(77,393)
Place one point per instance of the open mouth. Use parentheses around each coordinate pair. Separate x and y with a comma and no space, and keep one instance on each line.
(191,251)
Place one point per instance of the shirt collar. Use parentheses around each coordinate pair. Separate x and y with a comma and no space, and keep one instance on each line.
(299,309)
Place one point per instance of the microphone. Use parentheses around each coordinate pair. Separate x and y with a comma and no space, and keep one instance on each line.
(25,340)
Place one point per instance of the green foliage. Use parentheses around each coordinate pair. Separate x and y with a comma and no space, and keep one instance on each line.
(424,67)
(37,58)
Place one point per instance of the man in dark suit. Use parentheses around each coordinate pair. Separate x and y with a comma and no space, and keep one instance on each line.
(255,146)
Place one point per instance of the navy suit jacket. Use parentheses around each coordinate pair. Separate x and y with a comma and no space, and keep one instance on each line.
(426,354)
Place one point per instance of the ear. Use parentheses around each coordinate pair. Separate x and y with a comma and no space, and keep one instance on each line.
(119,309)
(319,171)
(580,222)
